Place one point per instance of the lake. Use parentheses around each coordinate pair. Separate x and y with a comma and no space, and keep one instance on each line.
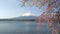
(22,27)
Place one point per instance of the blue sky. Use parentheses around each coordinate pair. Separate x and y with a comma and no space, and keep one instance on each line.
(11,8)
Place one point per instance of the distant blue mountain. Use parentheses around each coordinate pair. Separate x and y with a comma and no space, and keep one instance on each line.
(26,17)
(23,18)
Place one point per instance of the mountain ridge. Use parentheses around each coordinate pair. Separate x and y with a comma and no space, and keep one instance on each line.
(21,18)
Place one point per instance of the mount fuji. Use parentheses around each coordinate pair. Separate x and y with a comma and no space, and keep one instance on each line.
(24,17)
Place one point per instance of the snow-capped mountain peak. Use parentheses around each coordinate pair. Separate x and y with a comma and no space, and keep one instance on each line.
(27,14)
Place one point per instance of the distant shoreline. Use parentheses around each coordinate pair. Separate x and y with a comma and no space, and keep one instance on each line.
(17,20)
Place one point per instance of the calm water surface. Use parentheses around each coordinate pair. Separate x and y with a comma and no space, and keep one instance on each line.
(22,27)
